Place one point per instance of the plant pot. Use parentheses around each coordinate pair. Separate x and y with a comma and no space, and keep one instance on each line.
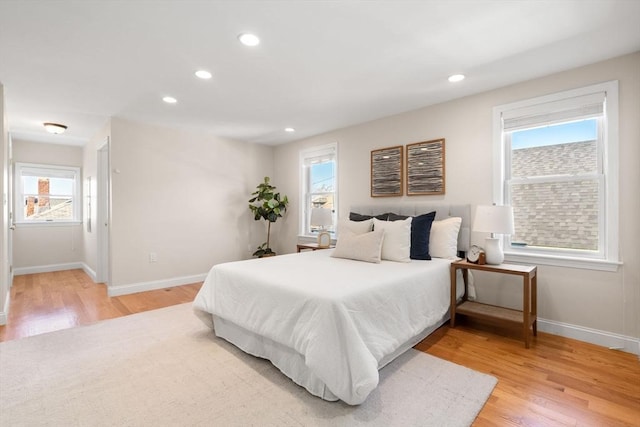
(267,255)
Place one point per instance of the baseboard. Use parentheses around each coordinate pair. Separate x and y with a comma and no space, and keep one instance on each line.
(133,288)
(48,268)
(112,290)
(89,272)
(593,336)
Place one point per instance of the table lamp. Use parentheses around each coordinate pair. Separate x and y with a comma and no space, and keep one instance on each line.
(494,220)
(321,217)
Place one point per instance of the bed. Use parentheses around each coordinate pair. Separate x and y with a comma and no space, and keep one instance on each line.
(331,323)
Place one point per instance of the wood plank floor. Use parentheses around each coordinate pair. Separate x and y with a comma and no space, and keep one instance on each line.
(557,382)
(49,302)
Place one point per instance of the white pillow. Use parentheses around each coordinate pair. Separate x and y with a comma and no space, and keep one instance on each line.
(357,227)
(397,239)
(360,247)
(443,241)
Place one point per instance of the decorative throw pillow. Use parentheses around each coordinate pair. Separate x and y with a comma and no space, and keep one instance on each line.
(354,216)
(360,247)
(420,233)
(397,239)
(396,217)
(443,241)
(357,227)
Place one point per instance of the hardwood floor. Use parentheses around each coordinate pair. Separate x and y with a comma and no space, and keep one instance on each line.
(557,382)
(48,302)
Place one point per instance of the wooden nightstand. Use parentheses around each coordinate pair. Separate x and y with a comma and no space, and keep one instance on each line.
(526,320)
(311,246)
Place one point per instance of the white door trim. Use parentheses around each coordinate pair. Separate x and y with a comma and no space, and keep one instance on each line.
(103,270)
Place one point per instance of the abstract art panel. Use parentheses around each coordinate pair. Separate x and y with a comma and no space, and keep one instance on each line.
(425,168)
(386,172)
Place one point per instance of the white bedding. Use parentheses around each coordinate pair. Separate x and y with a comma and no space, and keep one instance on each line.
(344,317)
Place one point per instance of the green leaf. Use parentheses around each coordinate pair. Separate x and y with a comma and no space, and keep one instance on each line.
(267,204)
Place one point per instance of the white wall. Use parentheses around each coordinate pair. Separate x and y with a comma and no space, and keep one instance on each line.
(37,248)
(4,213)
(581,299)
(184,196)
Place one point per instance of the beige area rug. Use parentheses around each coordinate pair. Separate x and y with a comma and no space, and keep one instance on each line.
(166,368)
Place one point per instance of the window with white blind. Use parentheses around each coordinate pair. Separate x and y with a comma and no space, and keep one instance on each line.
(319,186)
(556,159)
(47,194)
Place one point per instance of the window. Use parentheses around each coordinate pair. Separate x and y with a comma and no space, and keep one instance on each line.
(557,158)
(319,178)
(47,194)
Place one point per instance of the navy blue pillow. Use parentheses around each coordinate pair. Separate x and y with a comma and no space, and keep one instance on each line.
(420,232)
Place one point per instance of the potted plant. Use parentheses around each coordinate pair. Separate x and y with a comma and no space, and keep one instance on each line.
(267,205)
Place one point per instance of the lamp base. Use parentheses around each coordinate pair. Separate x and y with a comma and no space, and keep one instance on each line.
(324,239)
(493,251)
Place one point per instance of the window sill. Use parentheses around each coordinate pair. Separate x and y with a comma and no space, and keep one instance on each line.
(48,224)
(563,261)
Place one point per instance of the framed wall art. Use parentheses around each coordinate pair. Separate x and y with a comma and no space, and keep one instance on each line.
(386,172)
(425,168)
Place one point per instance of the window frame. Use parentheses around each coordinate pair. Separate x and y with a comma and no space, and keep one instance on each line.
(46,170)
(305,194)
(607,256)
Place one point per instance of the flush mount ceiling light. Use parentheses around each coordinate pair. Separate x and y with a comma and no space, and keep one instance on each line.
(456,78)
(169,100)
(203,74)
(289,130)
(248,39)
(54,127)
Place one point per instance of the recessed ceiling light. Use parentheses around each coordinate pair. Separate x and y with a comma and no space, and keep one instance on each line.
(169,100)
(248,39)
(456,78)
(203,74)
(289,130)
(55,128)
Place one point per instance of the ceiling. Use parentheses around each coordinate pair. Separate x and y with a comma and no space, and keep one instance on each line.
(321,65)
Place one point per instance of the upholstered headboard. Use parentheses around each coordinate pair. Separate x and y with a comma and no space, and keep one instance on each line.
(443,210)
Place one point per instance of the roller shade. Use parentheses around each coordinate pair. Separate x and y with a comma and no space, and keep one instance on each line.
(323,155)
(548,113)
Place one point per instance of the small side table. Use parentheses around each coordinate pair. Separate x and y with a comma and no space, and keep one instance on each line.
(310,246)
(526,320)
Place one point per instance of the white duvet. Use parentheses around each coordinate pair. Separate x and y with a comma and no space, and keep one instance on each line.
(343,316)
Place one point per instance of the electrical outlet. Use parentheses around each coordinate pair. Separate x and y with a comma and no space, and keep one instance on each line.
(153,257)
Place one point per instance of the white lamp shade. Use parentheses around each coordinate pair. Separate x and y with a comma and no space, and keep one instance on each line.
(494,219)
(321,217)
